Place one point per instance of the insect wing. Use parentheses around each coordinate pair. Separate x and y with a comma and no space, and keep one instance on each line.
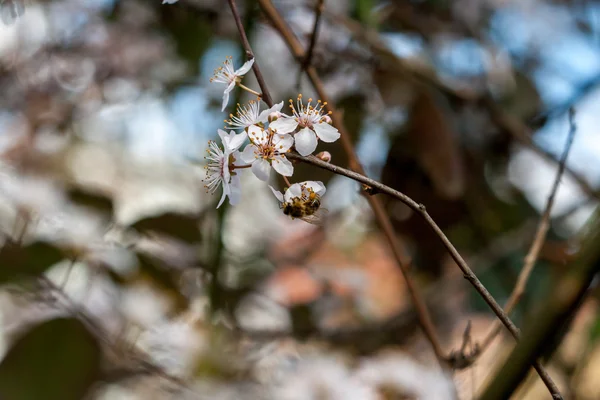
(317,218)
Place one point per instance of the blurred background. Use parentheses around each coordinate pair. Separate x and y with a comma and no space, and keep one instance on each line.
(121,280)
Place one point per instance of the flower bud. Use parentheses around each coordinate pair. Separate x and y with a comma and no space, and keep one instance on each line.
(327,119)
(324,156)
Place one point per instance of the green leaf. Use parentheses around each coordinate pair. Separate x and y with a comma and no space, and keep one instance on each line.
(178,226)
(17,262)
(58,359)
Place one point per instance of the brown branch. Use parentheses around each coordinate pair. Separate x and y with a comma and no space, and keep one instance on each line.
(539,238)
(381,216)
(320,6)
(266,96)
(468,273)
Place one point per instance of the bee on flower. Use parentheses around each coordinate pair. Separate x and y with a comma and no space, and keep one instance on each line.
(308,123)
(221,166)
(303,200)
(267,150)
(230,77)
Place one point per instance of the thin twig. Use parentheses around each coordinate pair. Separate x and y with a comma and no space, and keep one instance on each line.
(468,273)
(319,7)
(266,96)
(381,216)
(539,238)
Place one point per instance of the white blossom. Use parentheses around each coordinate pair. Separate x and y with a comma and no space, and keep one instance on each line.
(309,123)
(267,149)
(225,74)
(250,114)
(300,190)
(221,163)
(170,1)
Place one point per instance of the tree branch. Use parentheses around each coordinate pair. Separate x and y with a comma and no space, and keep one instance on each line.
(266,96)
(539,238)
(468,273)
(381,216)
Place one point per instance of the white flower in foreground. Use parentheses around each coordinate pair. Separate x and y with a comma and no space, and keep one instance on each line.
(302,191)
(221,163)
(250,114)
(170,1)
(225,74)
(267,150)
(308,122)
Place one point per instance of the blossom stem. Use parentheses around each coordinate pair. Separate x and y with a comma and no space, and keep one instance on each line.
(287,182)
(232,167)
(246,88)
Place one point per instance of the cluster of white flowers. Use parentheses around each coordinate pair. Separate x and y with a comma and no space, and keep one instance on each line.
(271,135)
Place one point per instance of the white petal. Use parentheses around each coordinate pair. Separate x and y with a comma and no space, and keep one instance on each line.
(326,132)
(293,191)
(315,186)
(261,169)
(277,194)
(263,116)
(225,100)
(283,142)
(236,141)
(235,190)
(305,141)
(222,135)
(284,125)
(237,159)
(257,134)
(245,68)
(225,194)
(283,166)
(249,154)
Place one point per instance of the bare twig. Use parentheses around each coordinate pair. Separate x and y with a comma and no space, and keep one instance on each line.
(381,216)
(266,96)
(319,7)
(468,273)
(539,238)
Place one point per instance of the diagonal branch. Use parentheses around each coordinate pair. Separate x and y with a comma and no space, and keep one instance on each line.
(468,273)
(539,238)
(381,216)
(266,96)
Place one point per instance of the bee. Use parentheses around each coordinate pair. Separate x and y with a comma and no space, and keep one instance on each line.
(306,207)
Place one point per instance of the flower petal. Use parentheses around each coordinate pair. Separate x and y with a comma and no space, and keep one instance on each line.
(245,68)
(305,141)
(235,141)
(277,194)
(315,186)
(261,169)
(249,154)
(235,190)
(225,100)
(293,191)
(237,159)
(257,134)
(283,142)
(264,115)
(326,132)
(284,124)
(282,165)
(225,194)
